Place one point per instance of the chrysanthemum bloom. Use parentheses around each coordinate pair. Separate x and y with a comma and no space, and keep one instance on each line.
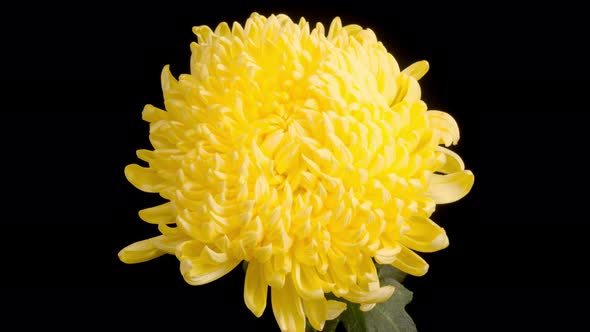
(310,156)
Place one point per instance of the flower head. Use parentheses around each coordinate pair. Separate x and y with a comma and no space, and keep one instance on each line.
(309,155)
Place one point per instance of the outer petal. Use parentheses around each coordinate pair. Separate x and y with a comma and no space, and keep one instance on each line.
(424,235)
(386,255)
(255,289)
(450,188)
(413,90)
(153,114)
(409,262)
(169,84)
(161,214)
(316,311)
(208,266)
(377,295)
(287,308)
(168,244)
(417,70)
(145,179)
(445,126)
(140,252)
(453,163)
(306,282)
(335,308)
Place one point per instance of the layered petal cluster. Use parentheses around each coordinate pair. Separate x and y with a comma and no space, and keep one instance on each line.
(309,154)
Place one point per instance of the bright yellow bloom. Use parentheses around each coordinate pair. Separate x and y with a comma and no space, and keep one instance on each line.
(310,156)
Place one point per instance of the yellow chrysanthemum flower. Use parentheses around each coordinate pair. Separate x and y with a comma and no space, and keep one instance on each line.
(310,156)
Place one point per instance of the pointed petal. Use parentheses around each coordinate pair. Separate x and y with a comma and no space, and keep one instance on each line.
(287,308)
(161,214)
(453,163)
(424,235)
(197,272)
(139,252)
(386,255)
(316,311)
(409,262)
(167,244)
(449,188)
(255,289)
(417,70)
(367,306)
(306,282)
(151,113)
(144,178)
(377,295)
(445,126)
(335,308)
(413,91)
(169,83)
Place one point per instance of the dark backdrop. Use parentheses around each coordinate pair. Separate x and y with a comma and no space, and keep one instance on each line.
(77,76)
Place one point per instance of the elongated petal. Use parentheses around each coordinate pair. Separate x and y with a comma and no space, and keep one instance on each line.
(153,114)
(413,92)
(409,262)
(417,69)
(386,255)
(445,126)
(287,308)
(453,163)
(255,289)
(197,272)
(306,282)
(335,308)
(367,306)
(169,83)
(449,188)
(166,244)
(139,252)
(161,214)
(316,311)
(424,235)
(144,179)
(378,295)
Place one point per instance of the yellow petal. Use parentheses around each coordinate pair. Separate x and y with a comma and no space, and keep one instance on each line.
(417,69)
(161,214)
(168,244)
(140,252)
(197,272)
(445,126)
(424,235)
(453,163)
(335,308)
(145,179)
(316,311)
(413,91)
(449,188)
(306,282)
(386,255)
(377,295)
(255,289)
(367,306)
(409,262)
(153,114)
(169,84)
(287,308)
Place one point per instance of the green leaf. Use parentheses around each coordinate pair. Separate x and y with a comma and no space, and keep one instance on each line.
(331,325)
(390,315)
(388,271)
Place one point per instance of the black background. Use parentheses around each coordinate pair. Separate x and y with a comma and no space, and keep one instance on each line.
(77,76)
